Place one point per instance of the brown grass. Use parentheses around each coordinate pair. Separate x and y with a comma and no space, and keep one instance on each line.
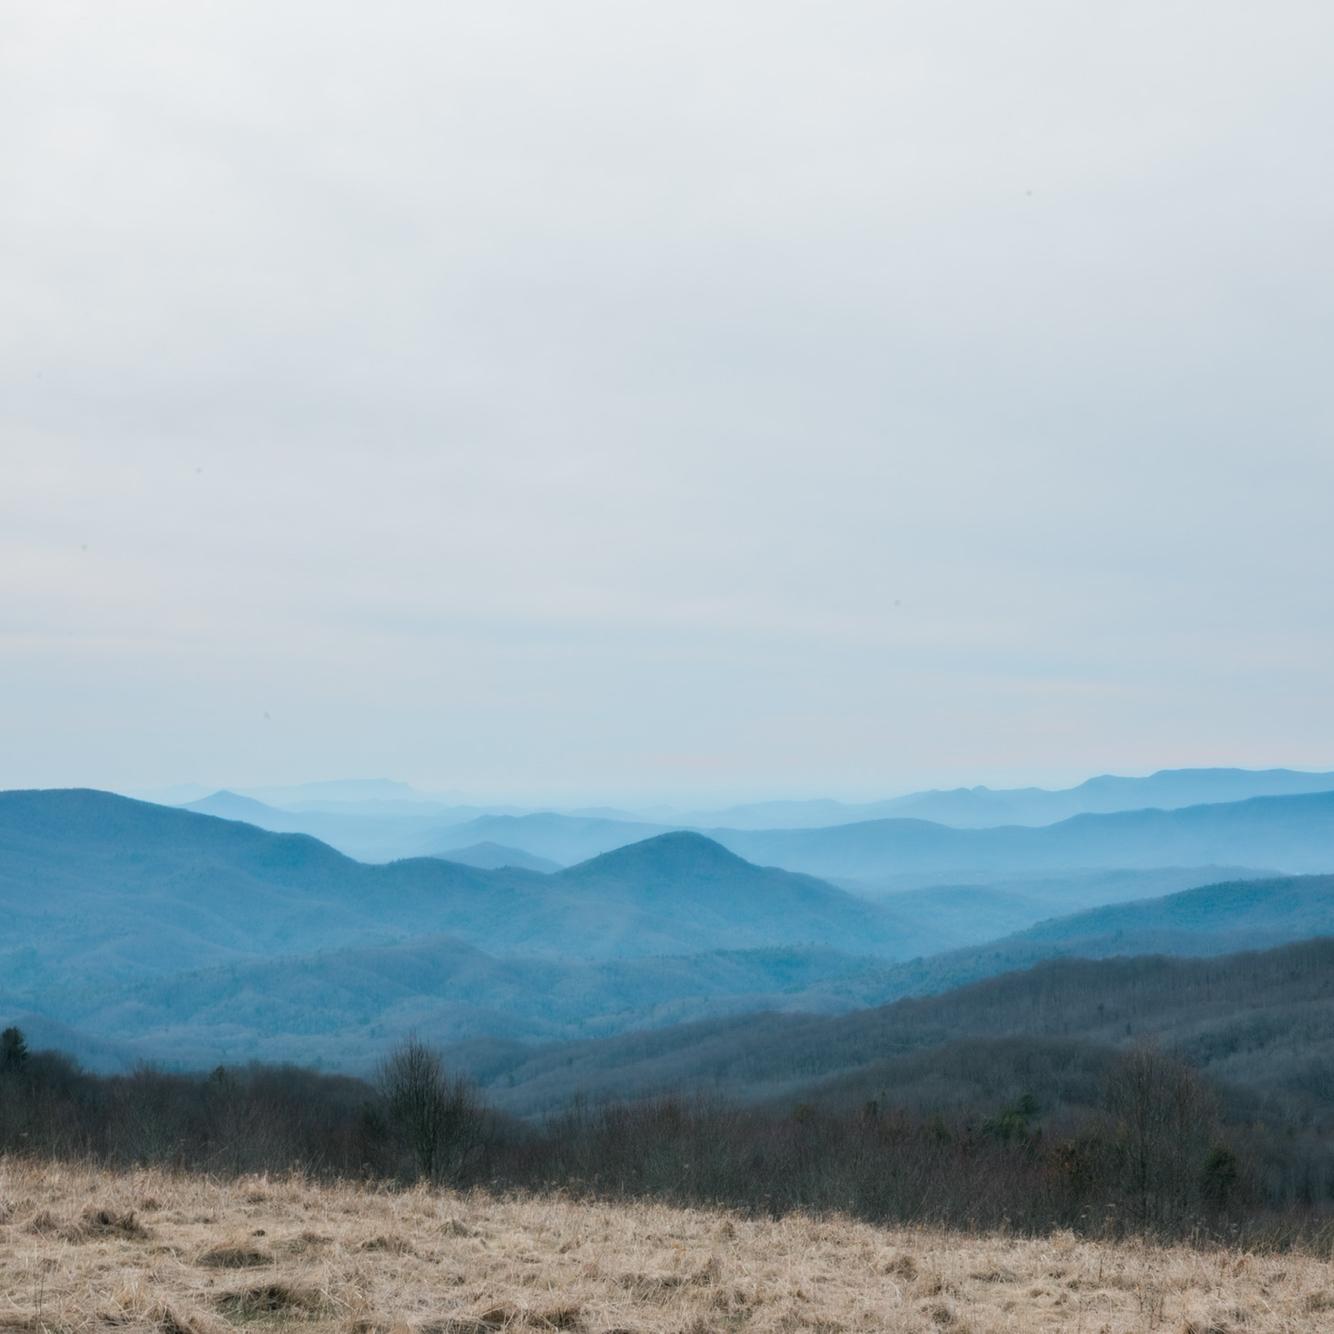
(269,1254)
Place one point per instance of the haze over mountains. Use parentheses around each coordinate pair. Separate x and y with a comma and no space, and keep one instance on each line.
(495,856)
(1293,833)
(377,820)
(142,930)
(375,832)
(978,807)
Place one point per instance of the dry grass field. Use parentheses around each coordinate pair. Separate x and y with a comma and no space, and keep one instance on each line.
(150,1251)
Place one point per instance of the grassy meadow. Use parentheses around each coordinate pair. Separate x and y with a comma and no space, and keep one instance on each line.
(83,1249)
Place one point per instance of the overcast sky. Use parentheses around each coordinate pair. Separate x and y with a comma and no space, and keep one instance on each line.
(568,400)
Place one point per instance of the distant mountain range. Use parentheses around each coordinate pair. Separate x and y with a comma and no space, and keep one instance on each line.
(984,807)
(1293,834)
(95,885)
(379,821)
(195,938)
(202,934)
(963,807)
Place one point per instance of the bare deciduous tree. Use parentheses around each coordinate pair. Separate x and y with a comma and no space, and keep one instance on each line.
(437,1115)
(1163,1118)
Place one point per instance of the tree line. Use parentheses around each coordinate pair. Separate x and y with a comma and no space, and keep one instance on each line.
(1155,1157)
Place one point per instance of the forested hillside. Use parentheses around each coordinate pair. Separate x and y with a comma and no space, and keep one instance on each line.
(1261,1022)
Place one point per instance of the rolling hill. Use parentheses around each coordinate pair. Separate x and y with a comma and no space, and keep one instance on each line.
(1262,1021)
(1207,920)
(704,893)
(341,1008)
(559,838)
(496,857)
(96,886)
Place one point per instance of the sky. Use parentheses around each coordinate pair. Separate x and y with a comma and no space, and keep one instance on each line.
(625,400)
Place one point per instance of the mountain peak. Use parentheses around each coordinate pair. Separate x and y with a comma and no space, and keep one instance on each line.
(227,794)
(681,852)
(230,805)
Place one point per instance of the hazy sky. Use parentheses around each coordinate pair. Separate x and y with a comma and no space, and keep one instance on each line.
(604,399)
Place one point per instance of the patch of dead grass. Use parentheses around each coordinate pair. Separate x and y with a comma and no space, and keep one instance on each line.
(273,1301)
(101,1223)
(387,1245)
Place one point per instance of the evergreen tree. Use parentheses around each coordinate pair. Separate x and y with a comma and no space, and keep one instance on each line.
(13,1050)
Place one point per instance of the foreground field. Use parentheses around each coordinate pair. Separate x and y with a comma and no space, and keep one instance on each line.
(82,1250)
